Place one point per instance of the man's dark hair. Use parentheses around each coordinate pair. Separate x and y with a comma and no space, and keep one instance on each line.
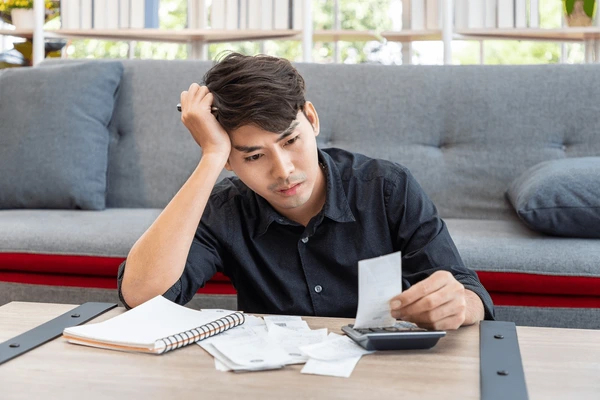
(257,90)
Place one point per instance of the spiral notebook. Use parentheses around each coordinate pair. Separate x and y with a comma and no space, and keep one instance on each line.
(154,327)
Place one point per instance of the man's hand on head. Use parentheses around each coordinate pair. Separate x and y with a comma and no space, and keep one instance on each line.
(196,115)
(438,302)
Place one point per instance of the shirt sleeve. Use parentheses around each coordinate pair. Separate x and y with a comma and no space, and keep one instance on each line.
(423,238)
(203,260)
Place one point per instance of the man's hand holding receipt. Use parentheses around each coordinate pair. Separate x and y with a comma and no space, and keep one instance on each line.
(379,280)
(375,328)
(438,302)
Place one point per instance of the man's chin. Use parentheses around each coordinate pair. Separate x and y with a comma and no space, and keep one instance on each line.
(288,203)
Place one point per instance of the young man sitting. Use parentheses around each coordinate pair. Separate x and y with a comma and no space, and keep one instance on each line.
(290,229)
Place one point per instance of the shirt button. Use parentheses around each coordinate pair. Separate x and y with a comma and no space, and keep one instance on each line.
(304,239)
(318,288)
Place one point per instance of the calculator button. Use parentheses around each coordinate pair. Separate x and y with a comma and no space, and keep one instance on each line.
(391,329)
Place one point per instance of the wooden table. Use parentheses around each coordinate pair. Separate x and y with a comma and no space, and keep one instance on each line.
(558,364)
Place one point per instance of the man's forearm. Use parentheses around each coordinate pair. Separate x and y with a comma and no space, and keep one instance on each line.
(157,259)
(474,308)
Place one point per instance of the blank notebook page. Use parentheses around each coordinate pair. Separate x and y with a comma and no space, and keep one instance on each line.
(144,325)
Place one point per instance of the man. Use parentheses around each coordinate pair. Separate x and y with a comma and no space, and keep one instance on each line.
(290,229)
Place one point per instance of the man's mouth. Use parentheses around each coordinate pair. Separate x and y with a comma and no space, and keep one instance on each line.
(289,190)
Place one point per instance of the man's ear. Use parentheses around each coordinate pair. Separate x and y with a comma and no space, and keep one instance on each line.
(312,116)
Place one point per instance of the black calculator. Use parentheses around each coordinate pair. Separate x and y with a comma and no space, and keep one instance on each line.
(402,336)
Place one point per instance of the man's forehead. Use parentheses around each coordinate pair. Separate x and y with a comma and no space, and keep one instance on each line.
(245,141)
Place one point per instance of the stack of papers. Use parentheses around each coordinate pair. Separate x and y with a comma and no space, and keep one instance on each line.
(277,341)
(336,356)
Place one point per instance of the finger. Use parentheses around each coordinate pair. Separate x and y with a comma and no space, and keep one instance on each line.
(452,291)
(456,306)
(183,98)
(451,322)
(207,101)
(425,304)
(427,286)
(395,303)
(194,87)
(199,98)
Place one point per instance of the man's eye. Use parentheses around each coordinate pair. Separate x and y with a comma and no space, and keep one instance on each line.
(292,140)
(253,157)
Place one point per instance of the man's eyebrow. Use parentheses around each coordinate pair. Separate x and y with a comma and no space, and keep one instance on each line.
(288,131)
(283,135)
(246,149)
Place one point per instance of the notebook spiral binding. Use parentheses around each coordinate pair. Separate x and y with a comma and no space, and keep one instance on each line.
(202,332)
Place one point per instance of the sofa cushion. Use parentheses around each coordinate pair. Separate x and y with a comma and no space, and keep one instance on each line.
(509,246)
(108,233)
(75,248)
(560,197)
(54,135)
(519,266)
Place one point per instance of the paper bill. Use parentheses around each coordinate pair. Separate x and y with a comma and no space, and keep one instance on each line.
(253,353)
(286,321)
(336,356)
(219,366)
(334,348)
(341,368)
(291,341)
(223,363)
(379,280)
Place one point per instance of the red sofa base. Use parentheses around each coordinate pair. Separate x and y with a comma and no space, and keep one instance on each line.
(65,270)
(506,289)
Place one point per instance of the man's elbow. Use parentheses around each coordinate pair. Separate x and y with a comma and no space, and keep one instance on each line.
(127,296)
(135,293)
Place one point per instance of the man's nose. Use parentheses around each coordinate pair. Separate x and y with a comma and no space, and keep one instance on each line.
(282,166)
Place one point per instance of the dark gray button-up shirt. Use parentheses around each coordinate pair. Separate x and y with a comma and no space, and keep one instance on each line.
(373,207)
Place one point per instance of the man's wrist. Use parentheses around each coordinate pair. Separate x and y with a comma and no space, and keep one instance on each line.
(215,161)
(475,311)
(216,156)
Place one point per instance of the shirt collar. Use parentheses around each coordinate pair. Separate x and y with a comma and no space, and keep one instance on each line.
(336,205)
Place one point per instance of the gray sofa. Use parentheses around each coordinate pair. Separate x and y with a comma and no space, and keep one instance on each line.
(465,132)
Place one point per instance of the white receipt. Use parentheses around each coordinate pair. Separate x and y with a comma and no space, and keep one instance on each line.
(335,348)
(379,280)
(286,321)
(251,320)
(291,340)
(342,368)
(219,311)
(253,353)
(281,318)
(238,334)
(219,366)
(337,356)
(222,363)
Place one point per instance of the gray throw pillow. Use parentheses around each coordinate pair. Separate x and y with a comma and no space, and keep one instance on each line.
(54,135)
(560,197)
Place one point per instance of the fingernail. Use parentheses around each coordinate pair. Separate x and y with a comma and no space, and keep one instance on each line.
(396,304)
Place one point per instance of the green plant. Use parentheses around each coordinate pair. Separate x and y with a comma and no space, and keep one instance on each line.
(8,5)
(588,7)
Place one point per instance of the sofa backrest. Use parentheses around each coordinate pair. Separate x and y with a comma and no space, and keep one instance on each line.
(465,132)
